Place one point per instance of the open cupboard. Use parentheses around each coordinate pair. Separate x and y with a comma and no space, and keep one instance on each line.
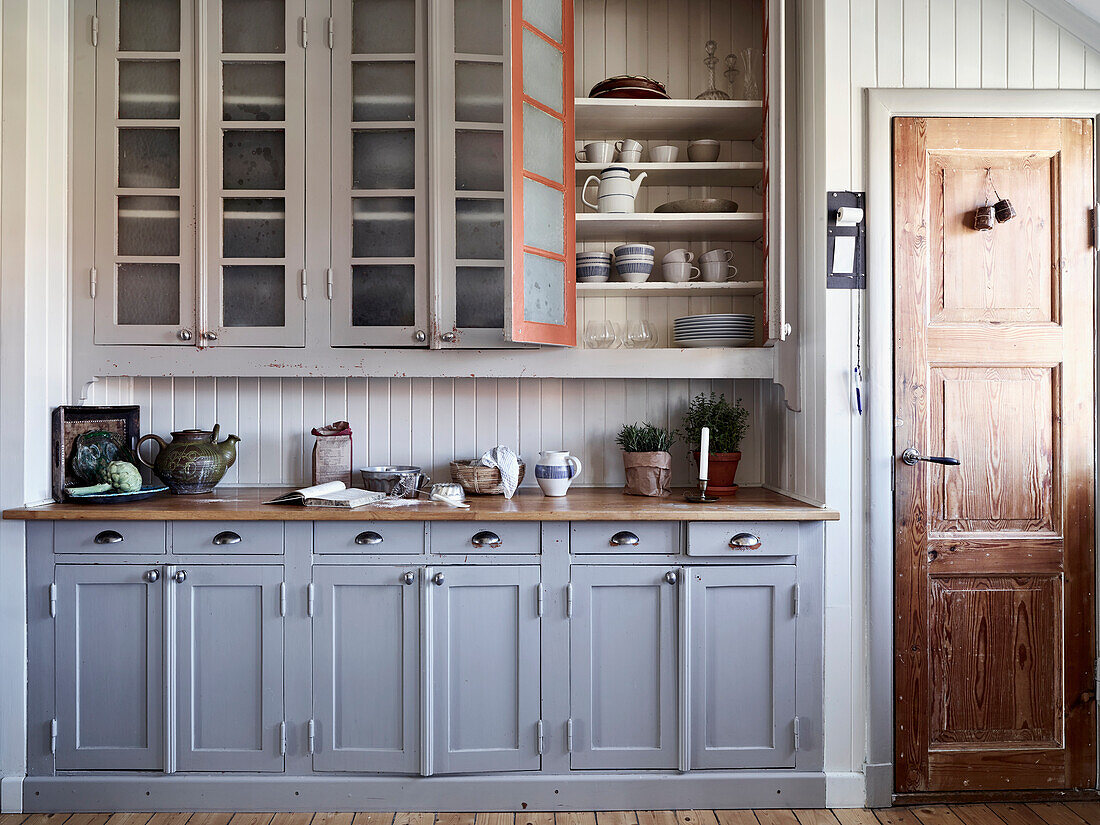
(367,247)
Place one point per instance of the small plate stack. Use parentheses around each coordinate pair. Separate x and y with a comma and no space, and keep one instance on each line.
(728,329)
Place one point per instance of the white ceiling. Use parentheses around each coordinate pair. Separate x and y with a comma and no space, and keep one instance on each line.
(1089,7)
(1079,17)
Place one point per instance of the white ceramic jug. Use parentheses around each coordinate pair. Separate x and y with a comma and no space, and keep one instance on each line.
(616,192)
(555,471)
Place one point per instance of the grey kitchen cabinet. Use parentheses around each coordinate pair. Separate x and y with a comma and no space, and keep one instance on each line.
(109,666)
(486,666)
(366,668)
(229,667)
(741,664)
(623,666)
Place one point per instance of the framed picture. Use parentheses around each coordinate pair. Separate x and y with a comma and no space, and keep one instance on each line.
(69,422)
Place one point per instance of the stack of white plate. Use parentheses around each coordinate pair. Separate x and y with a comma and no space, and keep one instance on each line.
(728,329)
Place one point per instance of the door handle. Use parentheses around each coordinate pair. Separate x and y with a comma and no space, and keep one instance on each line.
(745,541)
(227,537)
(108,537)
(486,538)
(910,457)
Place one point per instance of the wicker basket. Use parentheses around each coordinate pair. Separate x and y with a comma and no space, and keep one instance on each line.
(479,480)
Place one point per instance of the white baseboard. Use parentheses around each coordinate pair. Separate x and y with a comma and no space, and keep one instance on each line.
(11,794)
(844,790)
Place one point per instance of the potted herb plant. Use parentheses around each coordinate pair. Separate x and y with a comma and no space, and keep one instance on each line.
(646,459)
(728,424)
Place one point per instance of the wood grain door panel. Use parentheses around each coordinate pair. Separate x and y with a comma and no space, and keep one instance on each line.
(994,360)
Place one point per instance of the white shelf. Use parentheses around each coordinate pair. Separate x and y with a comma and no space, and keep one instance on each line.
(600,118)
(671,226)
(657,289)
(685,173)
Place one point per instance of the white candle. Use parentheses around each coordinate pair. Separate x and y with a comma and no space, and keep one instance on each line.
(704,453)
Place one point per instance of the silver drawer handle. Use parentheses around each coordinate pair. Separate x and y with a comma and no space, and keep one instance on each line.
(438,579)
(624,538)
(368,537)
(180,576)
(108,537)
(409,577)
(671,577)
(152,576)
(227,537)
(486,538)
(745,541)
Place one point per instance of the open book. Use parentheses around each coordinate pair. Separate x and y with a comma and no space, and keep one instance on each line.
(332,494)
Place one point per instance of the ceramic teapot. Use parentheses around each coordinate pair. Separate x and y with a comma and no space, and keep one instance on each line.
(616,191)
(555,471)
(194,461)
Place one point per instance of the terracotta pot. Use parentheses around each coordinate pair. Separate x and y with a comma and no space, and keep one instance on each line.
(723,470)
(648,474)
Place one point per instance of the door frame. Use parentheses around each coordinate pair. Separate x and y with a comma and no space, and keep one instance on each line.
(883,105)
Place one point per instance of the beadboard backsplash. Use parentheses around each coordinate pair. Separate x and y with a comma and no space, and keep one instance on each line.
(429,421)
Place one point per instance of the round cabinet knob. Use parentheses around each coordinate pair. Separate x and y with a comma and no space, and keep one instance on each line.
(745,541)
(448,337)
(180,576)
(152,576)
(438,579)
(185,335)
(210,335)
(108,537)
(420,336)
(368,537)
(671,577)
(486,538)
(624,538)
(409,577)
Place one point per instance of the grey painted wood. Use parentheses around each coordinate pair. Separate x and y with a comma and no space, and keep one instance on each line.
(714,538)
(623,667)
(366,669)
(598,537)
(397,538)
(239,538)
(109,667)
(138,537)
(485,668)
(741,635)
(229,667)
(516,537)
(41,647)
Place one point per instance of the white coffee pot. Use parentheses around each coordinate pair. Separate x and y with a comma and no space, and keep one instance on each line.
(616,192)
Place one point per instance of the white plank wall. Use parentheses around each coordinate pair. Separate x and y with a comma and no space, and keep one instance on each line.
(427,421)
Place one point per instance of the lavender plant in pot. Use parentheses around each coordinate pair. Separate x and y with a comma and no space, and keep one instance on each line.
(646,459)
(728,424)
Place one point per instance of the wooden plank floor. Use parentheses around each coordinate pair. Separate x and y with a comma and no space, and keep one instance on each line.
(1035,813)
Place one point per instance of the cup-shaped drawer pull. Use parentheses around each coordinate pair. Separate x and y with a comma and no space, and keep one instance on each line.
(368,537)
(624,538)
(227,537)
(745,541)
(486,538)
(108,537)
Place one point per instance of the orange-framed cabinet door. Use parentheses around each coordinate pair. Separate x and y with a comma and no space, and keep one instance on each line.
(543,305)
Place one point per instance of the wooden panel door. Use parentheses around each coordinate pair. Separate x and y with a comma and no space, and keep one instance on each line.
(366,685)
(994,667)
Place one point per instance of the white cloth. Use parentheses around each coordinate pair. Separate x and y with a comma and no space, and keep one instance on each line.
(507,462)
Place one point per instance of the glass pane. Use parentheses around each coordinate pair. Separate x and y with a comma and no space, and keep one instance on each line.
(543,144)
(148,225)
(383,91)
(149,89)
(480,229)
(383,27)
(543,69)
(543,217)
(383,228)
(253,91)
(479,297)
(383,160)
(479,161)
(148,294)
(479,27)
(253,296)
(479,92)
(253,159)
(543,290)
(383,296)
(149,25)
(544,15)
(149,158)
(253,26)
(253,227)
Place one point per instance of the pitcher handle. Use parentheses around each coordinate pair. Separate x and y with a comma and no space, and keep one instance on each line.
(584,192)
(137,447)
(574,462)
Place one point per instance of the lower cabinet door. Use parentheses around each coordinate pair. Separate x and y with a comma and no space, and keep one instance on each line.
(366,669)
(486,668)
(109,667)
(741,640)
(229,664)
(623,667)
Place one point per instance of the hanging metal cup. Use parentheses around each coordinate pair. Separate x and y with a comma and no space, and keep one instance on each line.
(984,218)
(1004,210)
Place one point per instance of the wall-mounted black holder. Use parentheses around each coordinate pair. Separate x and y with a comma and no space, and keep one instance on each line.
(857,277)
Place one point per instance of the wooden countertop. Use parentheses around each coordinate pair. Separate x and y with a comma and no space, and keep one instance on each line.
(582,504)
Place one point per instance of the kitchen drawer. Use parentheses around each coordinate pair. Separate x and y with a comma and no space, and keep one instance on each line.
(716,538)
(117,537)
(371,537)
(228,538)
(515,537)
(587,537)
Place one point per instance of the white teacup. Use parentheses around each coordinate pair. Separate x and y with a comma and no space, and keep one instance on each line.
(718,271)
(599,152)
(677,272)
(663,154)
(679,256)
(724,255)
(629,151)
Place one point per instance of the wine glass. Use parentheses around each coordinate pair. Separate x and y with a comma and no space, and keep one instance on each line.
(600,335)
(640,335)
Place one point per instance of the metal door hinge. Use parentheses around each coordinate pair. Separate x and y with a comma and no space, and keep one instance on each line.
(305,32)
(1096,225)
(53,601)
(328,283)
(797,724)
(93,279)
(893,475)
(305,286)
(282,738)
(1096,672)
(539,598)
(95,30)
(569,735)
(312,728)
(331,33)
(53,735)
(282,598)
(310,596)
(569,600)
(795,599)
(538,733)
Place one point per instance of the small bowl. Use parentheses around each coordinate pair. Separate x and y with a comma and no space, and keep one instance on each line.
(634,270)
(704,151)
(634,249)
